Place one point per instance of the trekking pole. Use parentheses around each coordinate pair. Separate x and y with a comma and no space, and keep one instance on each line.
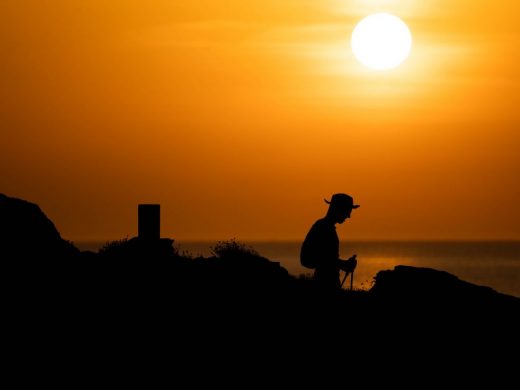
(351,276)
(343,281)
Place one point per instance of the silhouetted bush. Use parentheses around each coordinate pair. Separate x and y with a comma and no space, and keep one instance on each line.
(136,248)
(113,246)
(233,249)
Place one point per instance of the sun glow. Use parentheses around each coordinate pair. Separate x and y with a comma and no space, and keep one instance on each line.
(381,41)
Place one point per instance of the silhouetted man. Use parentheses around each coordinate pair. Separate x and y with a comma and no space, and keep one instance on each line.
(320,249)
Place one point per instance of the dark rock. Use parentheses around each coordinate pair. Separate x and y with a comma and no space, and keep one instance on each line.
(426,287)
(26,232)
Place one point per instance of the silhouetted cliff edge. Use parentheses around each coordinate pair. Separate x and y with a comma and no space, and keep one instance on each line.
(26,232)
(147,276)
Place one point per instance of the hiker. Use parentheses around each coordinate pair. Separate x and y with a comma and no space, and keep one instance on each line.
(320,249)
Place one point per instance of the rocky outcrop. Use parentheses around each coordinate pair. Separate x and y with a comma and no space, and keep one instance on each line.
(425,287)
(27,233)
(235,277)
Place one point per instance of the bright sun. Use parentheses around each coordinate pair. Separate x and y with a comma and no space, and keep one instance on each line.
(381,41)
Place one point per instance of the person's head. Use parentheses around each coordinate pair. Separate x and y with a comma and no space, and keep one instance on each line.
(340,207)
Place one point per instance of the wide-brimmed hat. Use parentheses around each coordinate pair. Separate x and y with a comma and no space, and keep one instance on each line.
(342,200)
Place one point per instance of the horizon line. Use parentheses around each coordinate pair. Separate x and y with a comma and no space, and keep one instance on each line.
(276,240)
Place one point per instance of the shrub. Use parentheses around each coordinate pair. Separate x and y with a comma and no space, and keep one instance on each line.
(139,249)
(113,246)
(233,249)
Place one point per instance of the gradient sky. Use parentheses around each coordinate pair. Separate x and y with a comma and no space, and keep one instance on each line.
(240,116)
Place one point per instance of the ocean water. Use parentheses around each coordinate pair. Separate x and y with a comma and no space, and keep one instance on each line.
(486,263)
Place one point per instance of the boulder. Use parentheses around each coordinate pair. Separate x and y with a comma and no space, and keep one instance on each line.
(26,232)
(426,287)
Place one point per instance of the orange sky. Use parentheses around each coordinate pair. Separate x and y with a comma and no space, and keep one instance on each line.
(240,116)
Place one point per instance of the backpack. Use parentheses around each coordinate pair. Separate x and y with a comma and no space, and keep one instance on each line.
(308,259)
(308,262)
